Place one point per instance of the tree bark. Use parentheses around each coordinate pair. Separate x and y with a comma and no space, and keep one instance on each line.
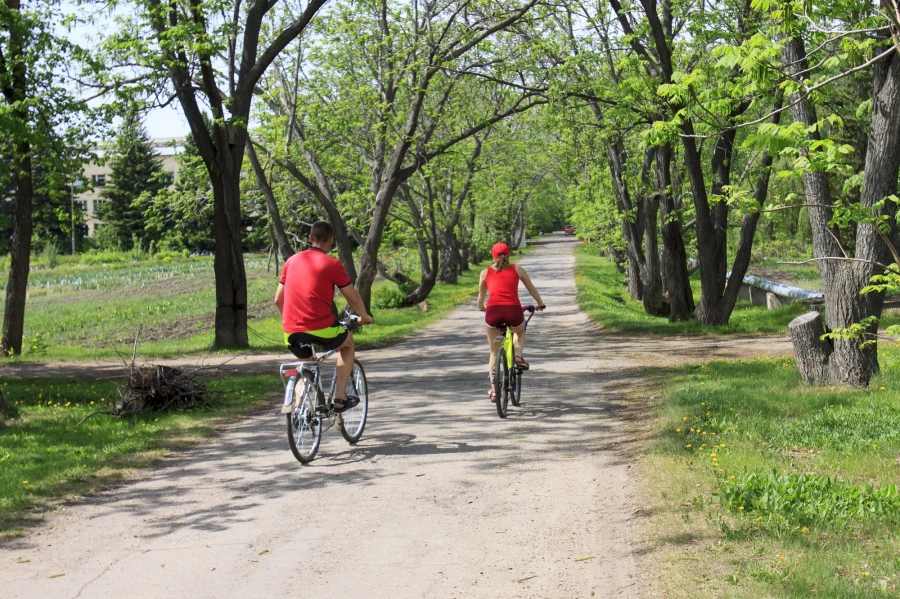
(674,256)
(20,254)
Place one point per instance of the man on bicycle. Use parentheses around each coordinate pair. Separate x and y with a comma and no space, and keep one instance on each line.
(305,297)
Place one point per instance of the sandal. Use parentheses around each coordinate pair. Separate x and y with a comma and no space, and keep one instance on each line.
(521,363)
(491,395)
(346,404)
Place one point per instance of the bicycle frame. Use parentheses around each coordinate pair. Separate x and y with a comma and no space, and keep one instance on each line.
(507,337)
(290,372)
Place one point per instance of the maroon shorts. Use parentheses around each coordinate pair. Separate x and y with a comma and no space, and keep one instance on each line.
(494,316)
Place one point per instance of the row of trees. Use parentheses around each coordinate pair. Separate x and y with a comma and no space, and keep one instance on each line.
(671,126)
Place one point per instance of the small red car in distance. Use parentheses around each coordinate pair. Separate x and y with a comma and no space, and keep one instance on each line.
(569,230)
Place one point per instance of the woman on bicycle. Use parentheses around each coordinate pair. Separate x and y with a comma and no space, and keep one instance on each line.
(500,282)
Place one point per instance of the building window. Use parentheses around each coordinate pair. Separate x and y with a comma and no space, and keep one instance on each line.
(168,178)
(97,204)
(82,204)
(99,180)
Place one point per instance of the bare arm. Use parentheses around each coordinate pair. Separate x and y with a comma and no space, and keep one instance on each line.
(482,289)
(279,297)
(526,280)
(355,302)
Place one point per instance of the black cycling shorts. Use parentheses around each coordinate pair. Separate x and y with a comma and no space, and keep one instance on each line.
(298,343)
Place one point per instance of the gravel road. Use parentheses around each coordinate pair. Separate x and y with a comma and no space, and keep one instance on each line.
(441,499)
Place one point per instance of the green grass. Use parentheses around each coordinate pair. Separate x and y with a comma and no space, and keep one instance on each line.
(44,459)
(93,311)
(603,295)
(763,487)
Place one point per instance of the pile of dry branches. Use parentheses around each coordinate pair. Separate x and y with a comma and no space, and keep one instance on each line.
(161,388)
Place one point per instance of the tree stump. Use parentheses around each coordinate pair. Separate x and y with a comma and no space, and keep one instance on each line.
(811,351)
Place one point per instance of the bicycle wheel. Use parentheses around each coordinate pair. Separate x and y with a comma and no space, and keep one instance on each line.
(501,383)
(353,421)
(516,391)
(304,426)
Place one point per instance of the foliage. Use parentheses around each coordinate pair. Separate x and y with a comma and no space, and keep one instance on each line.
(808,500)
(136,178)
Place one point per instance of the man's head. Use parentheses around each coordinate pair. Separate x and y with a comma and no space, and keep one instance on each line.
(322,235)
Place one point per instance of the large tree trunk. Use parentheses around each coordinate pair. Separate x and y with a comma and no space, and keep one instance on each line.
(20,254)
(368,258)
(231,278)
(674,257)
(851,363)
(450,258)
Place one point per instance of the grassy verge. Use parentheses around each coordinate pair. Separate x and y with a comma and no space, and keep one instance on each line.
(44,459)
(604,297)
(764,488)
(84,312)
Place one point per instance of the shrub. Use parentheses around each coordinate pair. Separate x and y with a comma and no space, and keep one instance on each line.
(387,298)
(50,255)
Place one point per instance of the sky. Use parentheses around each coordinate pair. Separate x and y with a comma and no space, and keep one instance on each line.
(166,122)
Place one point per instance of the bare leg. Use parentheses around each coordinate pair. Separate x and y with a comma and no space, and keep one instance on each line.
(347,352)
(518,339)
(491,335)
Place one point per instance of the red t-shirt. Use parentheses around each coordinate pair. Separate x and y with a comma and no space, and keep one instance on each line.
(503,286)
(309,279)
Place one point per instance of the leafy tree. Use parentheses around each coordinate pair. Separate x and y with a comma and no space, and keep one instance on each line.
(211,54)
(136,177)
(44,132)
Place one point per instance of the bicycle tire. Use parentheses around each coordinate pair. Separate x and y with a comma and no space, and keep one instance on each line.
(352,423)
(517,389)
(304,425)
(501,383)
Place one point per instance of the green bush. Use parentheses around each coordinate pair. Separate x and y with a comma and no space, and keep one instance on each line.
(388,298)
(805,499)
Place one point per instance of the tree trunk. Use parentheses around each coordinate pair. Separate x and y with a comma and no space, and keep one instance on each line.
(279,236)
(450,258)
(20,254)
(231,278)
(851,363)
(811,351)
(674,256)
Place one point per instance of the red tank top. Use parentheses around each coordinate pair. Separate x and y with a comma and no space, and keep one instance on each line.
(503,286)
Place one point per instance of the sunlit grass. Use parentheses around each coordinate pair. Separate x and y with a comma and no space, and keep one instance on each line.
(763,487)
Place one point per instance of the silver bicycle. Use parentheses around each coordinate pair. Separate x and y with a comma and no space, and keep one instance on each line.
(303,389)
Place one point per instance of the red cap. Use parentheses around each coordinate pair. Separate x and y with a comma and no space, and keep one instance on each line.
(499,249)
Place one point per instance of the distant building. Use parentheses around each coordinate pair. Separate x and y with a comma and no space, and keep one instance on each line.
(167,148)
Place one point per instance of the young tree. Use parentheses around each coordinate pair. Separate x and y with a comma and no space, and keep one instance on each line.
(44,131)
(136,178)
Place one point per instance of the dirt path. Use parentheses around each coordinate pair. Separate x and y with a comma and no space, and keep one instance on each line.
(441,499)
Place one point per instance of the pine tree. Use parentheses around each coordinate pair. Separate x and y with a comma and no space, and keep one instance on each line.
(137,176)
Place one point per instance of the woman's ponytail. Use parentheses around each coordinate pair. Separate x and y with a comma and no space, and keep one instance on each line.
(501,262)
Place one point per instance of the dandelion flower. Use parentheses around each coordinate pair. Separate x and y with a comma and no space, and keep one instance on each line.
(805,530)
(865,573)
(741,508)
(688,446)
(712,455)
